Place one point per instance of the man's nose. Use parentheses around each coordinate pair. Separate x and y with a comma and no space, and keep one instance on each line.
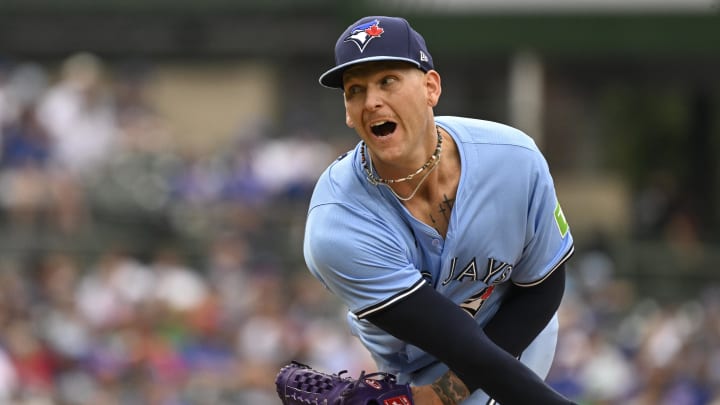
(373,99)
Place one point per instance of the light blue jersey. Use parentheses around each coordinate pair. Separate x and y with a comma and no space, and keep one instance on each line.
(505,226)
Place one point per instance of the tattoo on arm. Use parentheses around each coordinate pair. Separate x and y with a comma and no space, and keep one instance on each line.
(450,389)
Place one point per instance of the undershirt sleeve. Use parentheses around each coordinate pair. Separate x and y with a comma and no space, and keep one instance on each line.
(444,330)
(525,312)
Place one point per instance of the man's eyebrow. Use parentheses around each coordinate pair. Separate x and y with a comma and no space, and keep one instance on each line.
(350,74)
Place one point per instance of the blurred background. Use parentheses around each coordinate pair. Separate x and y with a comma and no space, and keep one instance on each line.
(157,158)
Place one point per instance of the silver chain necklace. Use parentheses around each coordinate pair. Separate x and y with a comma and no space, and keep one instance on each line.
(430,165)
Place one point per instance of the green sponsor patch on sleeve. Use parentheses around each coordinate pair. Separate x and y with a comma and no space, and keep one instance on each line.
(561,221)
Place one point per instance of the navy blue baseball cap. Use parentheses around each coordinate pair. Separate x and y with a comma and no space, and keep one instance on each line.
(377,38)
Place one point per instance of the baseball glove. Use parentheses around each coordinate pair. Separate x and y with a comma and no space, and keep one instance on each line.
(298,384)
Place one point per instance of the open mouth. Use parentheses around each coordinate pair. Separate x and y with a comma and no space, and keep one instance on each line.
(383,128)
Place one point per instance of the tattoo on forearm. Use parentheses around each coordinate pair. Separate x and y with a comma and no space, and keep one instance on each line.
(450,389)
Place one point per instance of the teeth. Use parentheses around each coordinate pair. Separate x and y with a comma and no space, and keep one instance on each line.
(377,124)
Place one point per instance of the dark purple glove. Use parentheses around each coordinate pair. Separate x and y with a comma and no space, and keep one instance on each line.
(298,384)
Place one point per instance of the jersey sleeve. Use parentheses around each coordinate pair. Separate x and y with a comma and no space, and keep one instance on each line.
(548,241)
(358,258)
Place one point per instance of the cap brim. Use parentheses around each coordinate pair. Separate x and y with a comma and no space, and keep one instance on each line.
(333,78)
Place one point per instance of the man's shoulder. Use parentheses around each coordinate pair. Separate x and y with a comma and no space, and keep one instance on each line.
(340,184)
(478,131)
(337,177)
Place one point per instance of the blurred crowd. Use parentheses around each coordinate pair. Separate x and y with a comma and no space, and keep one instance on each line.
(619,347)
(82,139)
(126,332)
(116,326)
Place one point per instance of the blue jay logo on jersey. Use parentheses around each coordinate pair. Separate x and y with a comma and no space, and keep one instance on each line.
(496,272)
(364,33)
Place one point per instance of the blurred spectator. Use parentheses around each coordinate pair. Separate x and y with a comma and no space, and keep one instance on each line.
(33,362)
(107,295)
(266,336)
(79,112)
(229,272)
(177,287)
(291,165)
(60,324)
(8,377)
(26,146)
(24,183)
(25,141)
(7,107)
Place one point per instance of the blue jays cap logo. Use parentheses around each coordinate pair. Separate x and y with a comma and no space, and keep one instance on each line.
(364,33)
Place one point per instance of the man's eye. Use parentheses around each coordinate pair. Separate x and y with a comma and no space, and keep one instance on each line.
(352,90)
(388,80)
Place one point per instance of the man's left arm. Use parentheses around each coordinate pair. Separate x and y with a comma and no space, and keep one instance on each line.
(522,316)
(525,312)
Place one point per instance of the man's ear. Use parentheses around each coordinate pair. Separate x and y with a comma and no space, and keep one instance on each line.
(434,87)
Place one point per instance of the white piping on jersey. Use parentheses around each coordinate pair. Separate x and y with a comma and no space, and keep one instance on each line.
(563,260)
(392,300)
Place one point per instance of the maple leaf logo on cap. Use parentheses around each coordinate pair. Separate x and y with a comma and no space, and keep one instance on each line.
(363,33)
